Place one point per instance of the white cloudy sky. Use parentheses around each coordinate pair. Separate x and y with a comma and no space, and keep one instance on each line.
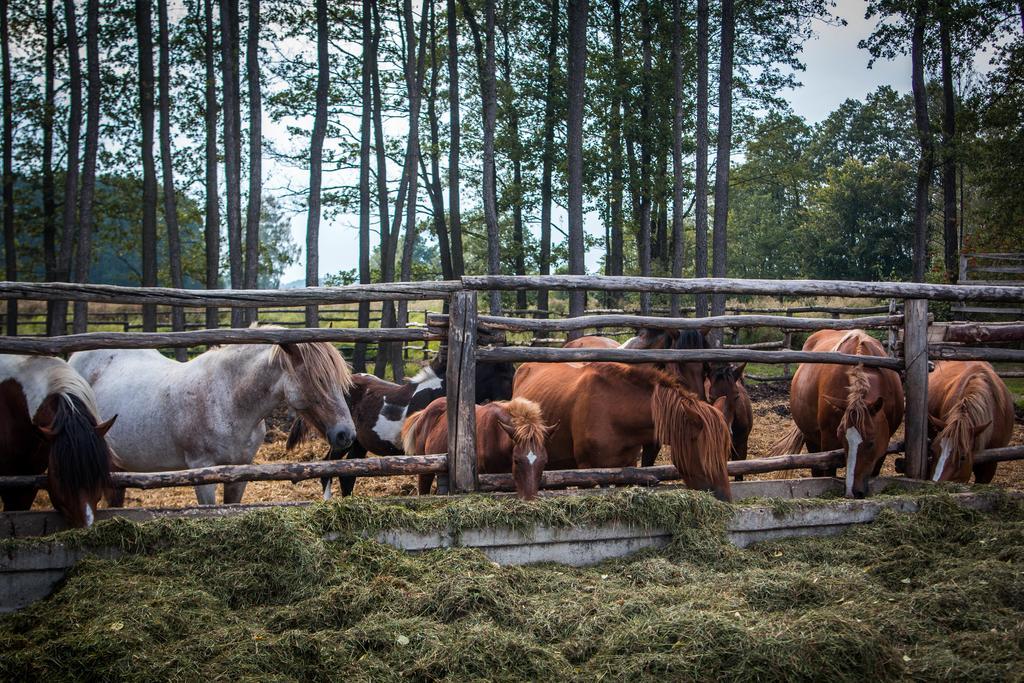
(836,70)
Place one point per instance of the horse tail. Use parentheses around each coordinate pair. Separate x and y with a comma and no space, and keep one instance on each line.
(790,442)
(80,458)
(297,434)
(409,429)
(702,461)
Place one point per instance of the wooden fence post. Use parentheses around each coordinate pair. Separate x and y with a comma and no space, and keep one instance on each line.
(915,358)
(461,381)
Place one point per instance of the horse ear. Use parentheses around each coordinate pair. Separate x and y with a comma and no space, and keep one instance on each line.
(936,423)
(978,429)
(876,405)
(291,350)
(507,426)
(738,370)
(103,427)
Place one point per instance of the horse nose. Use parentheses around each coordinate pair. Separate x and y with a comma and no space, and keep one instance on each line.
(341,437)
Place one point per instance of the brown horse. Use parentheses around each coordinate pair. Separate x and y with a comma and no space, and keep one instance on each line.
(509,438)
(726,381)
(850,407)
(603,413)
(48,424)
(969,409)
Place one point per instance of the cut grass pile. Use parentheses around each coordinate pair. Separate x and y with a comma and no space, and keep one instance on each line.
(934,595)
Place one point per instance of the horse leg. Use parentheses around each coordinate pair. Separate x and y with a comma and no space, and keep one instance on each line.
(206,494)
(984,472)
(325,482)
(815,447)
(649,454)
(348,483)
(425,482)
(115,496)
(233,492)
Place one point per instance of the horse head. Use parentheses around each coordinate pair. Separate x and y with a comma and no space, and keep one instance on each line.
(864,431)
(952,449)
(494,381)
(724,381)
(316,380)
(79,457)
(524,424)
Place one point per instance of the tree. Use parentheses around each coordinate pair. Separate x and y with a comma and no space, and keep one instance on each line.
(86,218)
(211,230)
(548,154)
(949,232)
(144,32)
(49,186)
(924,166)
(646,198)
(10,256)
(233,147)
(701,171)
(253,210)
(677,148)
(454,208)
(720,243)
(359,356)
(490,105)
(316,150)
(576,73)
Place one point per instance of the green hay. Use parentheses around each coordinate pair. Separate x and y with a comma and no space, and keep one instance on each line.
(930,596)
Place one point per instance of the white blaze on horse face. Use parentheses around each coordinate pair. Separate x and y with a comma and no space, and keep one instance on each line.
(89,517)
(947,448)
(390,430)
(425,380)
(531,457)
(853,441)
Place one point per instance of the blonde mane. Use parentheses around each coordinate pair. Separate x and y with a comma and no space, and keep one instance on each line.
(972,409)
(321,365)
(66,382)
(527,421)
(856,414)
(677,412)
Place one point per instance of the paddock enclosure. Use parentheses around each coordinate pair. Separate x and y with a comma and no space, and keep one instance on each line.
(647,578)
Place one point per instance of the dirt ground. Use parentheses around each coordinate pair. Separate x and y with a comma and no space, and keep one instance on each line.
(771,419)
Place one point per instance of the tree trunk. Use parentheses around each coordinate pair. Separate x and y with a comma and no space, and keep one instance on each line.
(49,188)
(387,264)
(316,154)
(10,256)
(615,148)
(144,31)
(644,237)
(434,181)
(490,105)
(86,221)
(255,206)
(720,244)
(359,354)
(701,167)
(454,208)
(232,145)
(211,229)
(548,160)
(924,136)
(576,76)
(949,153)
(677,150)
(70,218)
(167,170)
(516,157)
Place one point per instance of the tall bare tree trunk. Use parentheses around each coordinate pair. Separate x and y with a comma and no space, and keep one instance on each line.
(387,253)
(724,151)
(516,157)
(577,74)
(701,167)
(232,146)
(255,206)
(490,105)
(144,31)
(924,136)
(644,239)
(434,182)
(316,155)
(167,172)
(359,355)
(86,221)
(69,227)
(49,186)
(211,229)
(949,152)
(677,150)
(615,148)
(10,255)
(548,160)
(454,208)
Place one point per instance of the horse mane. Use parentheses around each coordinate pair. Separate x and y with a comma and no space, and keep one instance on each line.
(321,367)
(68,384)
(972,409)
(527,422)
(79,457)
(856,413)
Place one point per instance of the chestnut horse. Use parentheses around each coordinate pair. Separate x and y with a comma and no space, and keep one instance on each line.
(840,406)
(969,409)
(49,423)
(602,414)
(509,438)
(727,381)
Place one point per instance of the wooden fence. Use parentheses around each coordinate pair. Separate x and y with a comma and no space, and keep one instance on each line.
(463,327)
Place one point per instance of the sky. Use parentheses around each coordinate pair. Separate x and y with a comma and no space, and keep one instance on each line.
(836,70)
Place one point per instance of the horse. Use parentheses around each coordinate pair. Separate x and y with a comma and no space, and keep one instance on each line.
(969,409)
(49,423)
(379,409)
(211,409)
(509,438)
(604,413)
(850,407)
(726,381)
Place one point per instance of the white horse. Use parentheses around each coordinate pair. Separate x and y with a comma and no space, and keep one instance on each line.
(211,410)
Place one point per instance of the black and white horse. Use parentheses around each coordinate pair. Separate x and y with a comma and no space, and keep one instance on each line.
(379,409)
